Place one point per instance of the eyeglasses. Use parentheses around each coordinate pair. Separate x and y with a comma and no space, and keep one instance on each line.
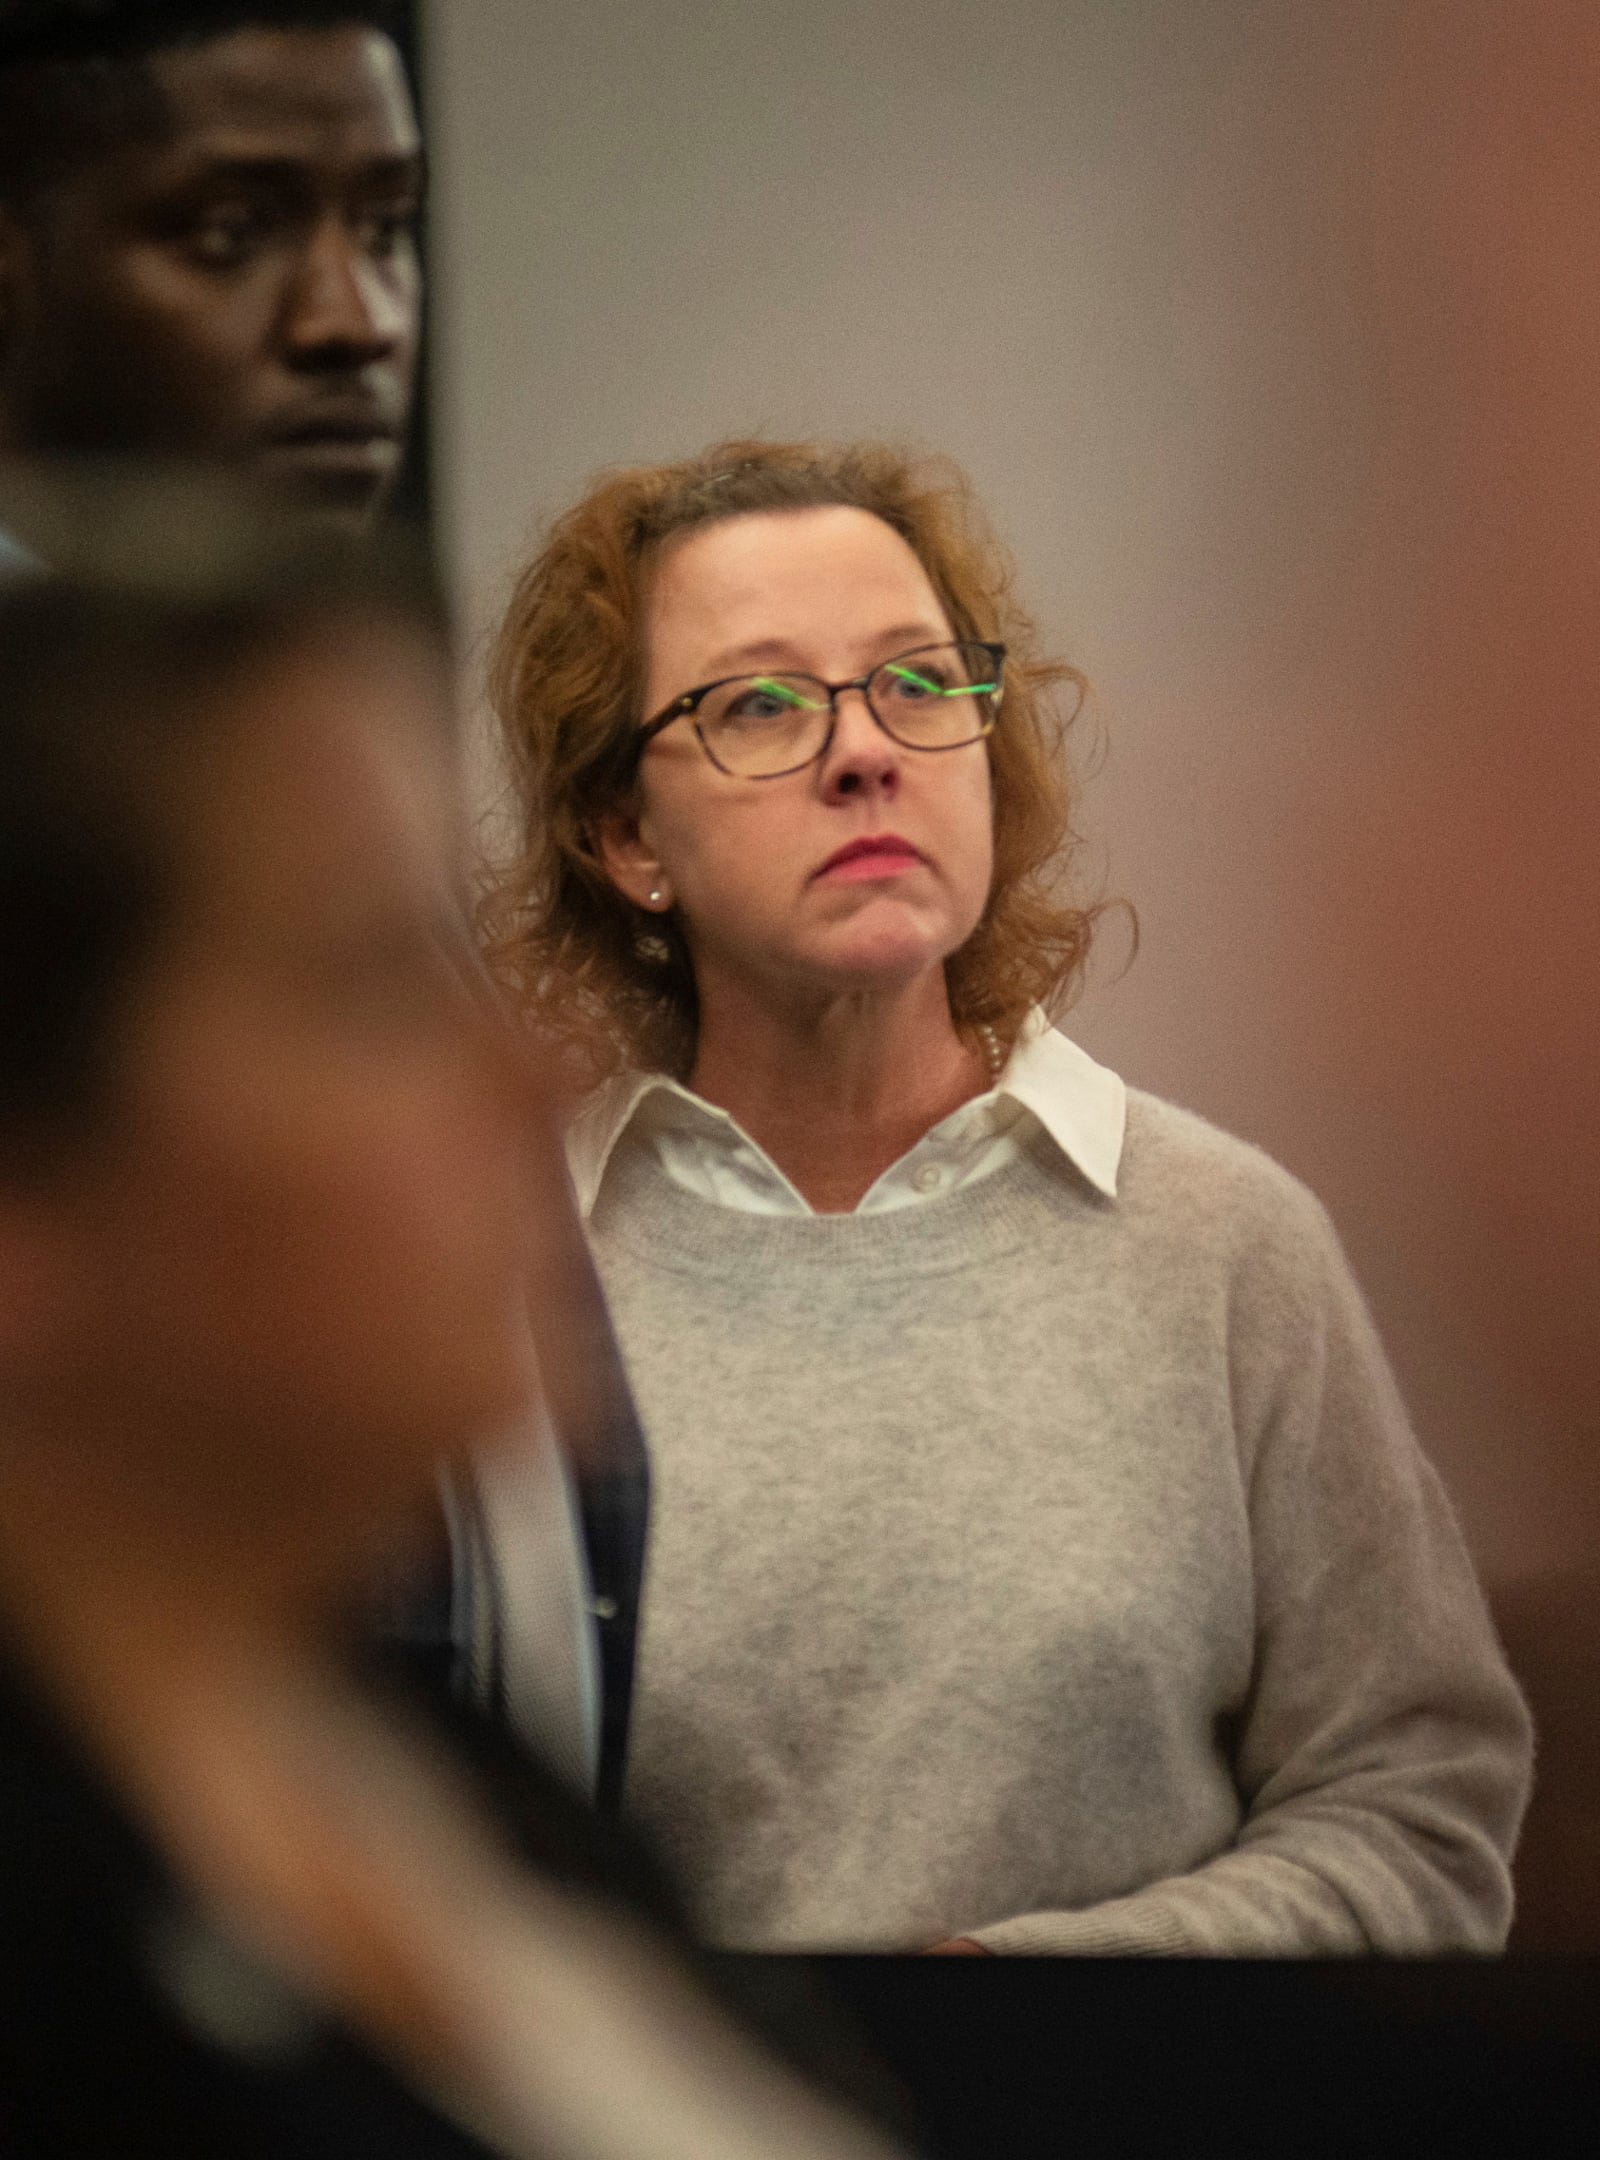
(760,727)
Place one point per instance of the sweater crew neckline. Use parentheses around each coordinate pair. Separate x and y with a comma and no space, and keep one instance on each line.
(642,1209)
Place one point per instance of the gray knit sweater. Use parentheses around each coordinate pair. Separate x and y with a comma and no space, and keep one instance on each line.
(1054,1570)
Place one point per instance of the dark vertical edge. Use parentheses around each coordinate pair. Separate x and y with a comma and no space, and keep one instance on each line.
(414,498)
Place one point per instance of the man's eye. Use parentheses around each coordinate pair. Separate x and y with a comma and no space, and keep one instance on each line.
(224,236)
(386,229)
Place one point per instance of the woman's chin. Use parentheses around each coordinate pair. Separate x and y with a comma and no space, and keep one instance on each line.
(885,954)
(883,965)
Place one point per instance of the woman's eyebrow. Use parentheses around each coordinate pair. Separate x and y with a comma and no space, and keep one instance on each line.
(760,650)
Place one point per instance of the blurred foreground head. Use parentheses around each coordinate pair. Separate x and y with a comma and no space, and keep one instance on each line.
(208,237)
(263,1138)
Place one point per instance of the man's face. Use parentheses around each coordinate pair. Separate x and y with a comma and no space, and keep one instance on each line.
(244,285)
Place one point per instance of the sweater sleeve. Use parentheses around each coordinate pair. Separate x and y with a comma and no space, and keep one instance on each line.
(1382,1757)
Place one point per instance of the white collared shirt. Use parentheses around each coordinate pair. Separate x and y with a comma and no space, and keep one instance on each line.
(541,1650)
(1048,1084)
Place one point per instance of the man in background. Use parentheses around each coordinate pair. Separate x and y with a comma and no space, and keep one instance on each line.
(208,239)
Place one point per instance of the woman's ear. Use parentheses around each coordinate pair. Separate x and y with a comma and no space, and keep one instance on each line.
(630,862)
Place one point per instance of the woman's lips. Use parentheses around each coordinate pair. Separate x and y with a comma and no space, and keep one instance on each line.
(883,855)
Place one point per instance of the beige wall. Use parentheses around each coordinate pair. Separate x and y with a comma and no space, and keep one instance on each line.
(1270,333)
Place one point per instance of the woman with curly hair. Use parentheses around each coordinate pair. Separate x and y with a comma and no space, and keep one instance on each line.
(1041,1558)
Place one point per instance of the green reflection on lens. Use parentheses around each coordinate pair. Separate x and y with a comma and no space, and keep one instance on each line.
(784,690)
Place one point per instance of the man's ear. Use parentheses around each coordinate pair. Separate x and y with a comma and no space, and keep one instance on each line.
(630,861)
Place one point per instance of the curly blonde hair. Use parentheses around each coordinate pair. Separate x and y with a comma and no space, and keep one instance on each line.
(611,985)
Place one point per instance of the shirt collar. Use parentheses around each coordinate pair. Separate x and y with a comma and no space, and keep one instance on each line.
(1081,1105)
(605,1115)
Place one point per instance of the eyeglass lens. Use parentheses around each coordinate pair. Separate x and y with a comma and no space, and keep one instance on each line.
(936,698)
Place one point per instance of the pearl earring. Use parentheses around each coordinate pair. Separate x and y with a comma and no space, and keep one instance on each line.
(656,896)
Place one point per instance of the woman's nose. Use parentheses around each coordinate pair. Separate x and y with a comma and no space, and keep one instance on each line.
(862,759)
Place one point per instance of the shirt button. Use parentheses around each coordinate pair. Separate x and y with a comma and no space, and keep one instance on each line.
(929,1178)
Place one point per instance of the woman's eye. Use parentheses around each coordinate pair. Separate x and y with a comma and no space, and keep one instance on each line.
(764,704)
(911,685)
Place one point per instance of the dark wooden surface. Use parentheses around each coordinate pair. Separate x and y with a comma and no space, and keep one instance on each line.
(1091,2058)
